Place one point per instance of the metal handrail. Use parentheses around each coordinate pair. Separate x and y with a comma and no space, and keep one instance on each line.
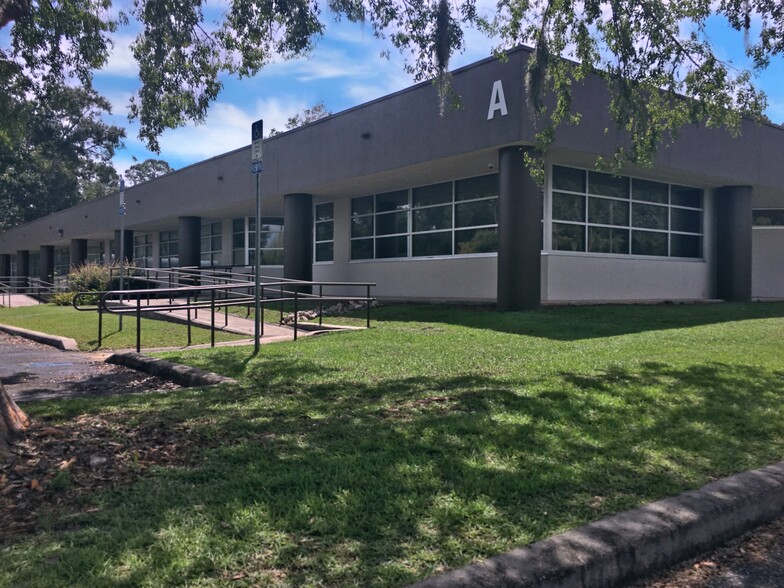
(214,297)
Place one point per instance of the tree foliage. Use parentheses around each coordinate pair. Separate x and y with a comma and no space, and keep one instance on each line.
(653,53)
(147,170)
(303,118)
(54,148)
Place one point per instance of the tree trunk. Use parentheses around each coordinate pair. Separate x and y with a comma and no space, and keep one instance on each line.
(12,420)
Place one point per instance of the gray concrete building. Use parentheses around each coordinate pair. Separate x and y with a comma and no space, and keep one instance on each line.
(433,207)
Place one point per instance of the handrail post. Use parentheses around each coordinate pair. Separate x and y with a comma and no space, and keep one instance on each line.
(138,323)
(296,311)
(261,309)
(212,318)
(188,310)
(367,305)
(100,321)
(321,303)
(281,303)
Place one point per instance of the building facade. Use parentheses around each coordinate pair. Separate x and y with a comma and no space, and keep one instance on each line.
(433,207)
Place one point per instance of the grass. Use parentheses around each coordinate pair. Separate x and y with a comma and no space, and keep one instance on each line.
(65,321)
(442,435)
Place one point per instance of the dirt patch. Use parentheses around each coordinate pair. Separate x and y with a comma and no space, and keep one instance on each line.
(54,468)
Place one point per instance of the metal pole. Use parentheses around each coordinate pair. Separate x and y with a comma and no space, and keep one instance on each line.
(122,242)
(257,260)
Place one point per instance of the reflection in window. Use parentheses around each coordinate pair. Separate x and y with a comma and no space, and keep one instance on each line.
(324,232)
(593,212)
(449,218)
(768,217)
(270,241)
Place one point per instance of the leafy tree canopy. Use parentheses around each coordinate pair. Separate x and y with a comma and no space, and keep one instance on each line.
(55,150)
(147,170)
(303,118)
(651,51)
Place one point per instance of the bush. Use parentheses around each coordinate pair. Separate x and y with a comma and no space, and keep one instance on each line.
(63,298)
(90,277)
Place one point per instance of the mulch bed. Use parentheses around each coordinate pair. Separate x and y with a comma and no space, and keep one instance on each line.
(54,468)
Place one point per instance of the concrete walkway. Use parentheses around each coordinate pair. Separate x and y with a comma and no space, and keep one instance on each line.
(18,300)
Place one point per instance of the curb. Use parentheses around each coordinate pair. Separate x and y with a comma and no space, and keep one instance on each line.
(635,543)
(63,343)
(180,374)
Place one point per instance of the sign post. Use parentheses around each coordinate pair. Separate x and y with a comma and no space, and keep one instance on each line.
(257,132)
(122,241)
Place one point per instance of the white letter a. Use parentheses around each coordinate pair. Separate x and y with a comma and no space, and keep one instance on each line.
(497,100)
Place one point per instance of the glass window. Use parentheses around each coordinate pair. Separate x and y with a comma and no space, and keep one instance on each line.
(603,211)
(768,217)
(608,240)
(567,178)
(568,237)
(568,207)
(448,218)
(649,243)
(682,196)
(142,250)
(169,248)
(650,191)
(685,245)
(324,233)
(686,221)
(607,185)
(211,244)
(649,216)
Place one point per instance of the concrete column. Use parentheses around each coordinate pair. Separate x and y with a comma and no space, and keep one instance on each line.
(5,265)
(733,243)
(22,268)
(46,263)
(519,233)
(189,234)
(78,252)
(127,244)
(298,237)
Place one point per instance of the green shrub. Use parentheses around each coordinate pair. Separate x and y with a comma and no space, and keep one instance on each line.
(63,298)
(90,277)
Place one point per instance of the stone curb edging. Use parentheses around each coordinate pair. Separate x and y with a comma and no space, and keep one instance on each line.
(635,543)
(180,374)
(63,343)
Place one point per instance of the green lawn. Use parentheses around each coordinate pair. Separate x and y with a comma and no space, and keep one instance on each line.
(65,321)
(441,435)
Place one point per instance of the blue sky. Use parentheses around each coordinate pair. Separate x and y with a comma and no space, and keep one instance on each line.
(345,69)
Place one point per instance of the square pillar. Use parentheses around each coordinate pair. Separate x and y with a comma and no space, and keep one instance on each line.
(519,233)
(78,252)
(22,268)
(189,235)
(733,211)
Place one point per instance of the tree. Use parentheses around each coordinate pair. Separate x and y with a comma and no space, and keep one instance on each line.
(303,118)
(13,421)
(653,53)
(147,170)
(54,150)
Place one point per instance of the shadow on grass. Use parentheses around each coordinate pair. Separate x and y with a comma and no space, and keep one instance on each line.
(381,484)
(571,323)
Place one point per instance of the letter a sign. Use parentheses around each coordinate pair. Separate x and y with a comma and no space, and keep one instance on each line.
(497,101)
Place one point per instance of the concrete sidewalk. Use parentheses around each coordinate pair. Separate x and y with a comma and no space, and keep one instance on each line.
(18,300)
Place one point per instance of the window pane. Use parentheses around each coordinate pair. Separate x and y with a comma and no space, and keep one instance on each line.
(476,241)
(567,178)
(362,226)
(362,249)
(682,196)
(238,240)
(648,243)
(391,223)
(607,240)
(768,218)
(238,225)
(324,251)
(271,256)
(362,205)
(217,244)
(387,247)
(432,244)
(568,237)
(481,212)
(389,201)
(649,216)
(271,227)
(569,207)
(607,185)
(431,219)
(435,194)
(325,231)
(478,187)
(608,212)
(688,221)
(239,257)
(324,211)
(686,246)
(650,191)
(268,240)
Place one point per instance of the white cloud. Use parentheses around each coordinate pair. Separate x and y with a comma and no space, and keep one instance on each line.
(121,61)
(119,101)
(227,128)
